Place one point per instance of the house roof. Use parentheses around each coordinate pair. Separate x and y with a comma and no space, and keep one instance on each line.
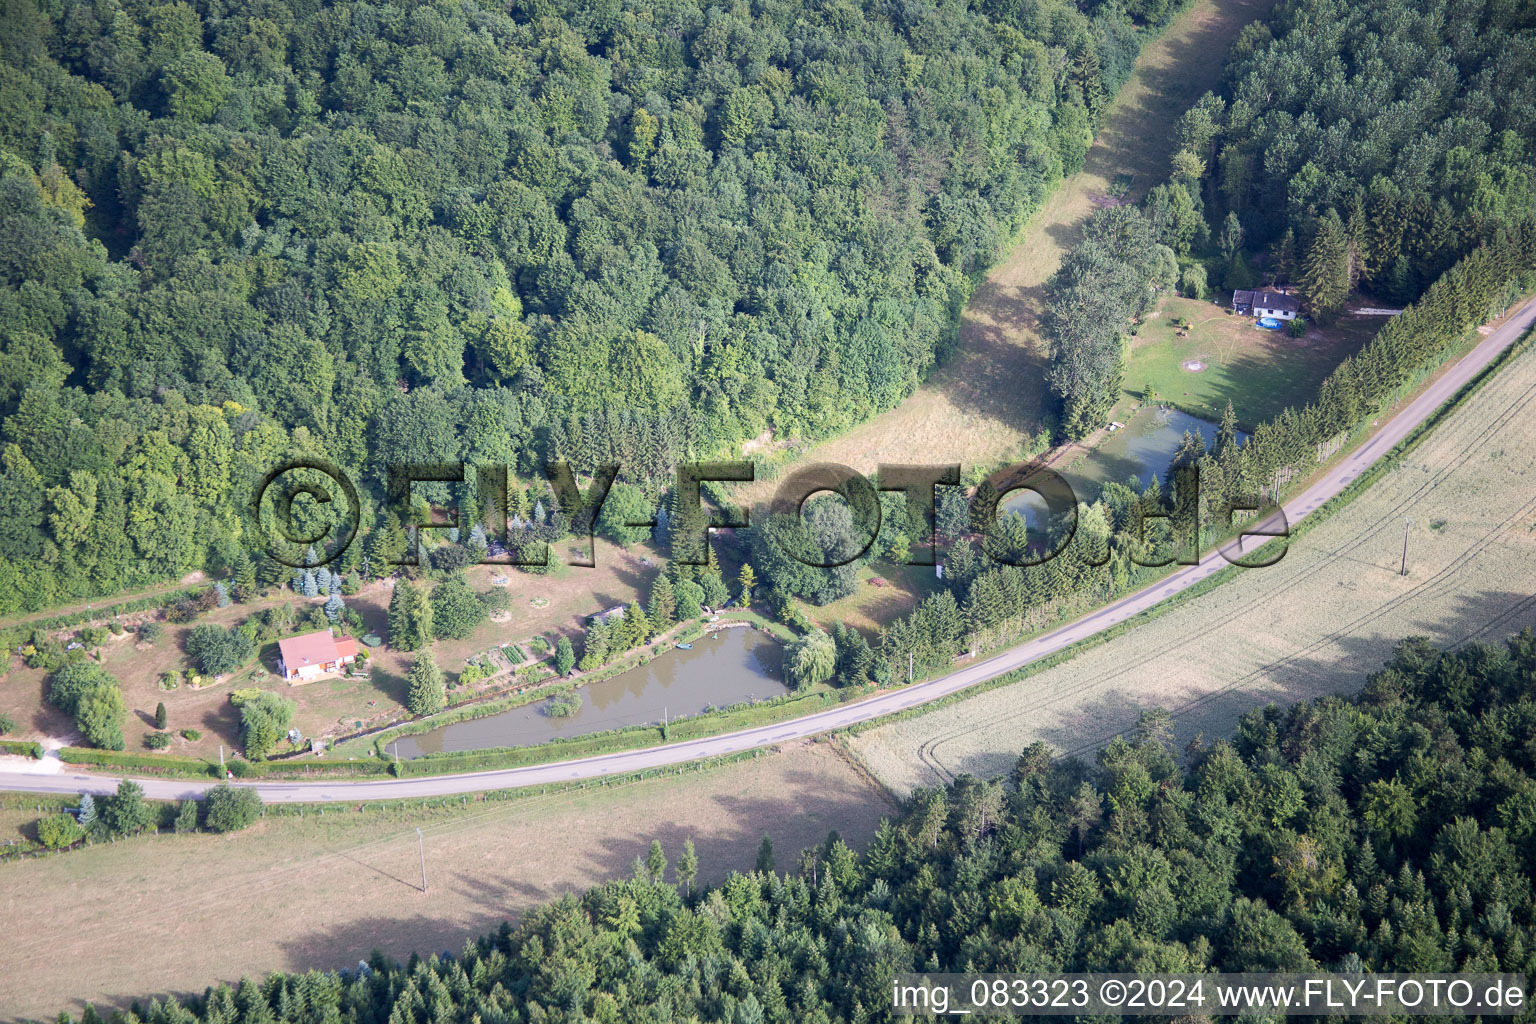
(310,649)
(1242,297)
(346,647)
(1266,299)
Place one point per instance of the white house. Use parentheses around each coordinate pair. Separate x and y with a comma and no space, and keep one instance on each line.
(1268,302)
(302,658)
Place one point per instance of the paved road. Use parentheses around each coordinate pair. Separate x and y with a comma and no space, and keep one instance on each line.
(1399,426)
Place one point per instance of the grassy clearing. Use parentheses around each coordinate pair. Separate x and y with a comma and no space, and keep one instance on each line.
(1260,372)
(322,890)
(1316,623)
(541,605)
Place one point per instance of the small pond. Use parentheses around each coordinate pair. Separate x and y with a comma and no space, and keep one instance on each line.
(728,667)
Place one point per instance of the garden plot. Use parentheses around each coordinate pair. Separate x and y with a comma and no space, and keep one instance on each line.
(1316,623)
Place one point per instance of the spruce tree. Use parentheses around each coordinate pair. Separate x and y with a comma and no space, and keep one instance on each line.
(746,580)
(242,572)
(565,656)
(410,618)
(87,810)
(334,606)
(426,692)
(1325,273)
(765,855)
(160,715)
(309,586)
(688,866)
(662,608)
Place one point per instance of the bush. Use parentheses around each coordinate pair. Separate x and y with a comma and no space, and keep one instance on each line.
(7,724)
(218,650)
(59,830)
(151,632)
(563,704)
(229,809)
(238,768)
(191,734)
(93,696)
(1296,328)
(186,817)
(157,740)
(23,747)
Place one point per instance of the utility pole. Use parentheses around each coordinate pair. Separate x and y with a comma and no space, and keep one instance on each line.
(1406,523)
(422,853)
(221,759)
(909,665)
(395,746)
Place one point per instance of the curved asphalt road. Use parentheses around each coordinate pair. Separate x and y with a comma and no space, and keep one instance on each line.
(1396,428)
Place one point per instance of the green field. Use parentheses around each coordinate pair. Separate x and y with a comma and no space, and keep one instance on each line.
(1260,372)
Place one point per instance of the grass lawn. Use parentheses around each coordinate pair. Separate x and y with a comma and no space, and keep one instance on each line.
(1260,372)
(872,606)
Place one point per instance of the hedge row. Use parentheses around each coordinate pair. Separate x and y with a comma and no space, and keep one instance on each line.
(15,635)
(26,748)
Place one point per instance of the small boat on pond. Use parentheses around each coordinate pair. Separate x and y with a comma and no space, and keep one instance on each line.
(685,647)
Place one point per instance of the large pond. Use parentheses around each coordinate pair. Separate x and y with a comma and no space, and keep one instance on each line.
(728,667)
(1136,452)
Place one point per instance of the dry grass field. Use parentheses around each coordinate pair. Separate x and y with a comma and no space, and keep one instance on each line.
(1316,623)
(986,401)
(175,913)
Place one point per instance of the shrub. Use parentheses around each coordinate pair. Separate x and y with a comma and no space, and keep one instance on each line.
(264,718)
(93,696)
(191,734)
(151,632)
(229,809)
(186,817)
(126,813)
(7,724)
(218,650)
(1296,328)
(59,830)
(563,704)
(157,740)
(238,768)
(456,610)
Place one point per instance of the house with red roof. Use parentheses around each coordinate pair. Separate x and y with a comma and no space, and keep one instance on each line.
(303,658)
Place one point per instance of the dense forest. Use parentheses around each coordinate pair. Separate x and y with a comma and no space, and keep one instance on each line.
(379,232)
(1367,145)
(1394,831)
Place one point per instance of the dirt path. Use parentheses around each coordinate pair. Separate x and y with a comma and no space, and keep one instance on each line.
(986,401)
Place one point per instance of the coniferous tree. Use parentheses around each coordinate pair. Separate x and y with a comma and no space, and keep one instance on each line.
(565,656)
(1325,272)
(426,693)
(410,617)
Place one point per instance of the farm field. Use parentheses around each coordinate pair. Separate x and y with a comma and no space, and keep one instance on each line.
(544,605)
(322,891)
(1260,372)
(983,405)
(1317,622)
